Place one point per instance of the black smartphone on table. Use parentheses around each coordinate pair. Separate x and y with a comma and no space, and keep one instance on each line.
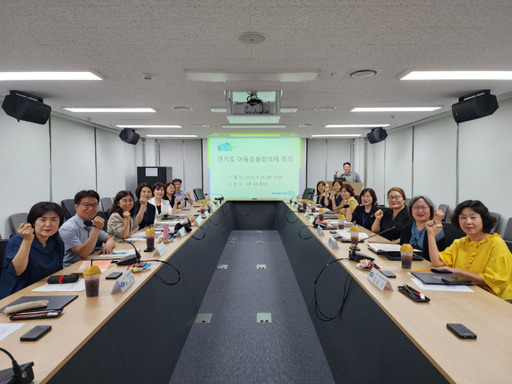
(461,331)
(114,275)
(36,333)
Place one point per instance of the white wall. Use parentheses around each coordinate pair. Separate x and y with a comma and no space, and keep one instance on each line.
(184,156)
(324,157)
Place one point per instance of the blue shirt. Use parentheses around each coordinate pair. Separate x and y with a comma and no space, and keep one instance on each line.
(74,232)
(42,262)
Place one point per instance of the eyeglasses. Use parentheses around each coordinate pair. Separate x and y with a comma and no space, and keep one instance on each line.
(87,205)
(420,207)
(395,197)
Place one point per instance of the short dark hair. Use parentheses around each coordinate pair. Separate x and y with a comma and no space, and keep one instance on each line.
(372,194)
(86,193)
(177,181)
(347,163)
(158,185)
(427,200)
(139,189)
(117,199)
(348,188)
(41,208)
(488,220)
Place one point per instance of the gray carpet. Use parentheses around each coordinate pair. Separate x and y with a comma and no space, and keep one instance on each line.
(233,347)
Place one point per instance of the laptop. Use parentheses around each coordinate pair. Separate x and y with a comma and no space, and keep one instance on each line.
(436,278)
(392,251)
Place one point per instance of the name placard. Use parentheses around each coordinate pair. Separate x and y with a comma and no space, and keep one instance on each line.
(181,232)
(312,219)
(161,249)
(199,220)
(206,213)
(378,279)
(124,282)
(319,231)
(333,243)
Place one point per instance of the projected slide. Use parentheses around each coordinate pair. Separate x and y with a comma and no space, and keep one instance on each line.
(254,167)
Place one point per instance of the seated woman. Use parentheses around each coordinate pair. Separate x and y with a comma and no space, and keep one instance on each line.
(349,203)
(396,216)
(322,191)
(122,222)
(36,251)
(481,257)
(334,200)
(145,212)
(163,207)
(421,209)
(170,195)
(364,214)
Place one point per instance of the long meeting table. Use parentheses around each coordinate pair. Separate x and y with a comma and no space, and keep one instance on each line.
(380,336)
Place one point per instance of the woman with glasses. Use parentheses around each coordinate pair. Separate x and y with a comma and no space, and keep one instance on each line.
(421,209)
(481,257)
(396,216)
(36,251)
(122,222)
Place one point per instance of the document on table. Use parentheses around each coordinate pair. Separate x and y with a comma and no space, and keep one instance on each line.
(77,286)
(440,287)
(7,328)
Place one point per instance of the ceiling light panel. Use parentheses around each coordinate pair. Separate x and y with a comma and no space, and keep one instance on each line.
(148,126)
(172,136)
(252,126)
(339,135)
(253,119)
(221,77)
(458,75)
(16,76)
(396,109)
(110,110)
(356,125)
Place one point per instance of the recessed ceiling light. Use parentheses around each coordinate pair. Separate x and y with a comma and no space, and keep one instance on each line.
(218,110)
(289,110)
(363,74)
(396,109)
(182,109)
(356,125)
(202,125)
(339,135)
(325,108)
(177,136)
(252,126)
(306,125)
(113,110)
(458,75)
(251,38)
(10,76)
(148,126)
(253,119)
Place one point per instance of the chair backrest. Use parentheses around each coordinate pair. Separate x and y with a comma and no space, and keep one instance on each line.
(106,203)
(444,208)
(507,235)
(3,246)
(497,216)
(16,219)
(103,215)
(308,193)
(451,232)
(68,206)
(199,194)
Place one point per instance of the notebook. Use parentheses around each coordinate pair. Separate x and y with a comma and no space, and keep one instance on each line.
(54,301)
(392,251)
(435,278)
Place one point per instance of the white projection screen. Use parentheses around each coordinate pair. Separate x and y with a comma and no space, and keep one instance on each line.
(248,168)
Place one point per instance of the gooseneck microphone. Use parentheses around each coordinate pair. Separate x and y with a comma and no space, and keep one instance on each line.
(130,259)
(353,255)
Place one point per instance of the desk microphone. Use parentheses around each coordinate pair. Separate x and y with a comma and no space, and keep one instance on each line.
(130,259)
(353,255)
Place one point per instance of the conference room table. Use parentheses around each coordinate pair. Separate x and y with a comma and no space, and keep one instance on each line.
(380,336)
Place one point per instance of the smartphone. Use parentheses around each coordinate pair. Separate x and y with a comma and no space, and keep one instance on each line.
(457,280)
(36,333)
(388,274)
(114,275)
(461,331)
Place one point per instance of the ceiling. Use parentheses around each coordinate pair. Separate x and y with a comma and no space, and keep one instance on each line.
(123,39)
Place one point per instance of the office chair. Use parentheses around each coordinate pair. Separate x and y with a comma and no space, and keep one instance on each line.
(444,208)
(497,216)
(199,194)
(308,193)
(507,234)
(3,246)
(16,219)
(106,203)
(68,205)
(104,216)
(451,232)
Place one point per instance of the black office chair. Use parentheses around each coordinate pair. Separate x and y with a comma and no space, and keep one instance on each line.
(308,194)
(507,234)
(451,233)
(68,206)
(199,194)
(106,203)
(16,219)
(104,216)
(444,208)
(497,216)
(3,246)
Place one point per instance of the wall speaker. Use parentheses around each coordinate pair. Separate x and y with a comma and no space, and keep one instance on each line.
(377,135)
(474,106)
(129,136)
(23,106)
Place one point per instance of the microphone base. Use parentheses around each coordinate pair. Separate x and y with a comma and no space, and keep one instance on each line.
(149,250)
(8,376)
(359,256)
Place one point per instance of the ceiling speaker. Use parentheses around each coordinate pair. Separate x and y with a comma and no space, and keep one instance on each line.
(377,135)
(474,106)
(23,106)
(129,136)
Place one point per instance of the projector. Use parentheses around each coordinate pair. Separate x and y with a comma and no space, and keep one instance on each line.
(253,103)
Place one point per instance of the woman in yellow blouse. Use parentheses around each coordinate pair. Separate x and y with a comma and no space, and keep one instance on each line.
(349,201)
(480,256)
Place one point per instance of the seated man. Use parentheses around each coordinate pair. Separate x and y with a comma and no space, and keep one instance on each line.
(180,194)
(83,231)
